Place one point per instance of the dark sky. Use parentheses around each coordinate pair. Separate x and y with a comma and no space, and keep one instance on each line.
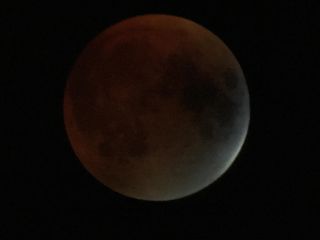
(272,189)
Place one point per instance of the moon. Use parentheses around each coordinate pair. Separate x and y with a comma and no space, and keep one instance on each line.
(156,107)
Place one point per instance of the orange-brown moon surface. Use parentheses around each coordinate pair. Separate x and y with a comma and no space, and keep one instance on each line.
(156,107)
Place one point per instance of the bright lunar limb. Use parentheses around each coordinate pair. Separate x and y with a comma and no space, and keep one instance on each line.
(156,107)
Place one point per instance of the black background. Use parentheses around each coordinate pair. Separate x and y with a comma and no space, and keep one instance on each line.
(270,192)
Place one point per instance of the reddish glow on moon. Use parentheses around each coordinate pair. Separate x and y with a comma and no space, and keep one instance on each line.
(156,107)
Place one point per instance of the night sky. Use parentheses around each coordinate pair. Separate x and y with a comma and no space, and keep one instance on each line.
(272,189)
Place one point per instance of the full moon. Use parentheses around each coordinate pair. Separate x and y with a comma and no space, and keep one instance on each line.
(156,107)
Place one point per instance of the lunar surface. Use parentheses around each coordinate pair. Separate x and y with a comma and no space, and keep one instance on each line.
(156,107)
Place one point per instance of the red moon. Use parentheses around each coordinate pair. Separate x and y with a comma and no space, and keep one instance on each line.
(156,107)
